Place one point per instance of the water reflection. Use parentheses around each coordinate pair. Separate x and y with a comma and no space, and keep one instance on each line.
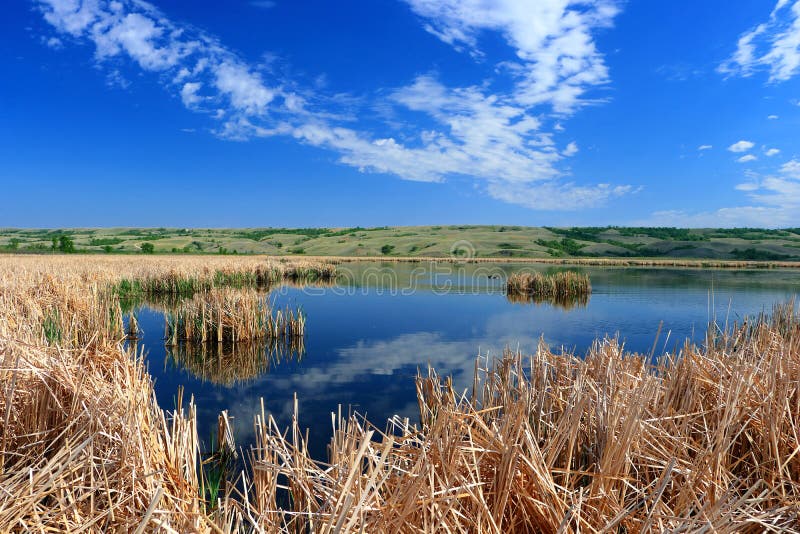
(563,302)
(231,364)
(367,337)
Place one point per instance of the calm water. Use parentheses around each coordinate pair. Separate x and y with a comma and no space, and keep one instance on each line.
(367,336)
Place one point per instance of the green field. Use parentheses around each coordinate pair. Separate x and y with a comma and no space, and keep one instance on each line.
(419,241)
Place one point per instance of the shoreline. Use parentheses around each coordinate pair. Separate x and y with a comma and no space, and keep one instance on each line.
(698,263)
(608,261)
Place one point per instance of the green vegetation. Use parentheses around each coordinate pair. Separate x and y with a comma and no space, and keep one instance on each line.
(102,242)
(752,254)
(51,326)
(562,247)
(566,288)
(64,244)
(745,244)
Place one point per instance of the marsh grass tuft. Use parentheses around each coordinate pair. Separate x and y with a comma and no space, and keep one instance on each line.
(231,316)
(558,287)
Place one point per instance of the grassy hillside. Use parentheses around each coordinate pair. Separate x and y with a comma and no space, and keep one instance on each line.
(481,241)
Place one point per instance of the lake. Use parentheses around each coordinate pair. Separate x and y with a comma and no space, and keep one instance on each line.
(367,336)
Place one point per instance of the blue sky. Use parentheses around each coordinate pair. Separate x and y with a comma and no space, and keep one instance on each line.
(400,112)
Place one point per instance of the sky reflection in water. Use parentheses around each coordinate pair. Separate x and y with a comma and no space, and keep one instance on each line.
(365,339)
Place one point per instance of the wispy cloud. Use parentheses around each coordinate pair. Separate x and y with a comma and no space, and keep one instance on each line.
(772,117)
(705,147)
(557,60)
(500,139)
(53,42)
(747,158)
(741,146)
(774,201)
(769,152)
(773,45)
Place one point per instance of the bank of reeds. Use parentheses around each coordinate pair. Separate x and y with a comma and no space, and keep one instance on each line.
(83,443)
(701,441)
(84,446)
(704,440)
(561,286)
(230,316)
(180,281)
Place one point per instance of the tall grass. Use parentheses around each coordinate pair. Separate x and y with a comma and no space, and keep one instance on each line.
(704,440)
(83,442)
(707,439)
(561,286)
(180,281)
(230,316)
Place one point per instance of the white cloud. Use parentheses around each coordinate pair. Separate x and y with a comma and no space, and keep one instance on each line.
(246,90)
(136,30)
(741,146)
(54,42)
(791,169)
(189,94)
(747,158)
(556,196)
(556,56)
(749,216)
(571,149)
(775,203)
(772,152)
(705,147)
(773,45)
(497,138)
(772,117)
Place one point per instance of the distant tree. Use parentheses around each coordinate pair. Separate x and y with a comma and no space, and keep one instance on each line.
(13,243)
(148,248)
(108,249)
(66,244)
(387,249)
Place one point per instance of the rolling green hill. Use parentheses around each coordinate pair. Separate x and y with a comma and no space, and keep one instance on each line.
(421,241)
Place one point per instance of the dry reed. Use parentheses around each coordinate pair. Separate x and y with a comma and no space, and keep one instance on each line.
(561,286)
(230,316)
(83,443)
(706,440)
(701,441)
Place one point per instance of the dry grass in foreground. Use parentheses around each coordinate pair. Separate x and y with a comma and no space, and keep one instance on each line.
(83,442)
(702,441)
